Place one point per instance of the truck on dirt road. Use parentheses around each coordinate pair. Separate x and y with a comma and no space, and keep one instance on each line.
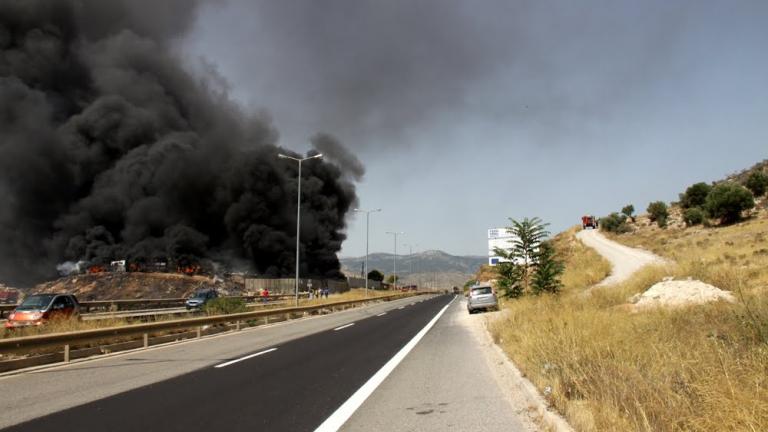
(589,221)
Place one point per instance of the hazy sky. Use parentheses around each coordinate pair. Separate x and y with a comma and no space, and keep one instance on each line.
(467,113)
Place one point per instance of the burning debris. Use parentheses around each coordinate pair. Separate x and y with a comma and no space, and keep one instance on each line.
(110,150)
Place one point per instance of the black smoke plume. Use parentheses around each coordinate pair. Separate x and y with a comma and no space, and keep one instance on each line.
(109,149)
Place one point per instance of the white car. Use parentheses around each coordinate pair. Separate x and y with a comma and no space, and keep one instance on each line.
(481,297)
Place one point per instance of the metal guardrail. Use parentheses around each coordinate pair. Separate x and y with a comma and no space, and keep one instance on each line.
(69,339)
(132,304)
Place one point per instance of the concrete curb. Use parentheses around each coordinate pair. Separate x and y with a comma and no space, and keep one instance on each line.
(550,418)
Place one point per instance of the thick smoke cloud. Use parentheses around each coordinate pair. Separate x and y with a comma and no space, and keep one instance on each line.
(110,150)
(335,151)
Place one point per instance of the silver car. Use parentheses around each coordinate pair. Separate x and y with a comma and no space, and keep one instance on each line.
(481,297)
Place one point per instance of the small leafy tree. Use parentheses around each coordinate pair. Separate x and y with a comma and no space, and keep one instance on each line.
(546,276)
(757,182)
(695,195)
(376,275)
(510,279)
(628,210)
(658,213)
(523,254)
(693,216)
(615,223)
(392,279)
(727,201)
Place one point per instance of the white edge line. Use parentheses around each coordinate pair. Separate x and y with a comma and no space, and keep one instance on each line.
(382,314)
(344,326)
(245,358)
(401,307)
(345,411)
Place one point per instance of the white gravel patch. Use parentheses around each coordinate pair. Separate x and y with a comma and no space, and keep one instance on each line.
(676,293)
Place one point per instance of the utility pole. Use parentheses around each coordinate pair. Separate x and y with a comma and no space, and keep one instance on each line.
(298,214)
(367,224)
(394,257)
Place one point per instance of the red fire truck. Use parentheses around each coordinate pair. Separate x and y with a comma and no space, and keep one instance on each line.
(589,221)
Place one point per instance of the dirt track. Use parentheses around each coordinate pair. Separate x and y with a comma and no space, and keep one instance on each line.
(624,260)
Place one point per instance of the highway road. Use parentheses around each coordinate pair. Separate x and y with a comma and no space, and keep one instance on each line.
(295,376)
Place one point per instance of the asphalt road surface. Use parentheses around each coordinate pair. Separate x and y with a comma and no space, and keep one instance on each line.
(290,377)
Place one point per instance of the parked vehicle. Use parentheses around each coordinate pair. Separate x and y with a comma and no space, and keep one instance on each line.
(9,296)
(589,221)
(481,297)
(38,309)
(200,298)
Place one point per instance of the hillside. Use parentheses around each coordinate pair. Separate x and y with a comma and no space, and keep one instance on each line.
(431,267)
(607,366)
(110,286)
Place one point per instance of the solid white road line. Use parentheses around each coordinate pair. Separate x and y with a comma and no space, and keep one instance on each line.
(245,358)
(401,307)
(382,314)
(345,411)
(344,326)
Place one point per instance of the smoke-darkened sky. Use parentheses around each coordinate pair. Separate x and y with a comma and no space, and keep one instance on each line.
(457,115)
(466,113)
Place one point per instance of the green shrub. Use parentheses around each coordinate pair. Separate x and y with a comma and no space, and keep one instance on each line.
(693,216)
(727,201)
(658,213)
(224,305)
(757,183)
(546,276)
(695,195)
(628,210)
(376,275)
(615,222)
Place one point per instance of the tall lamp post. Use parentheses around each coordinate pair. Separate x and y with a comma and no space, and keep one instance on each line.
(410,258)
(298,213)
(367,219)
(394,258)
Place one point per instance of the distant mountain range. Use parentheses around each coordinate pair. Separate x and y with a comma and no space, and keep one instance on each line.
(432,265)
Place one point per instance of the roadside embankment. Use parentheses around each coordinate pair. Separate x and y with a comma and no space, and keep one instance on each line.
(606,367)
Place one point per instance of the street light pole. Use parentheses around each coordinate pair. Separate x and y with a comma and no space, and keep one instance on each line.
(367,220)
(394,258)
(410,258)
(298,214)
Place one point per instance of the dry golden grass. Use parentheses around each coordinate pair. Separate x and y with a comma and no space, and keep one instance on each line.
(719,255)
(63,326)
(701,368)
(585,266)
(353,294)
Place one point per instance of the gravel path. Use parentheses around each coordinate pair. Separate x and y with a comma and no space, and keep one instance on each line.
(624,260)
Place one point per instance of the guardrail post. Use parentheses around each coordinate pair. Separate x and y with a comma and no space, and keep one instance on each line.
(266,320)
(237,325)
(146,340)
(288,316)
(199,331)
(66,353)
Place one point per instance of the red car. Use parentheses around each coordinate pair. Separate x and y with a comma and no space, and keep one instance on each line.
(37,309)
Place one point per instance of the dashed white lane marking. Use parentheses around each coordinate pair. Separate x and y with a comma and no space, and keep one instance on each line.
(344,326)
(245,358)
(382,314)
(345,411)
